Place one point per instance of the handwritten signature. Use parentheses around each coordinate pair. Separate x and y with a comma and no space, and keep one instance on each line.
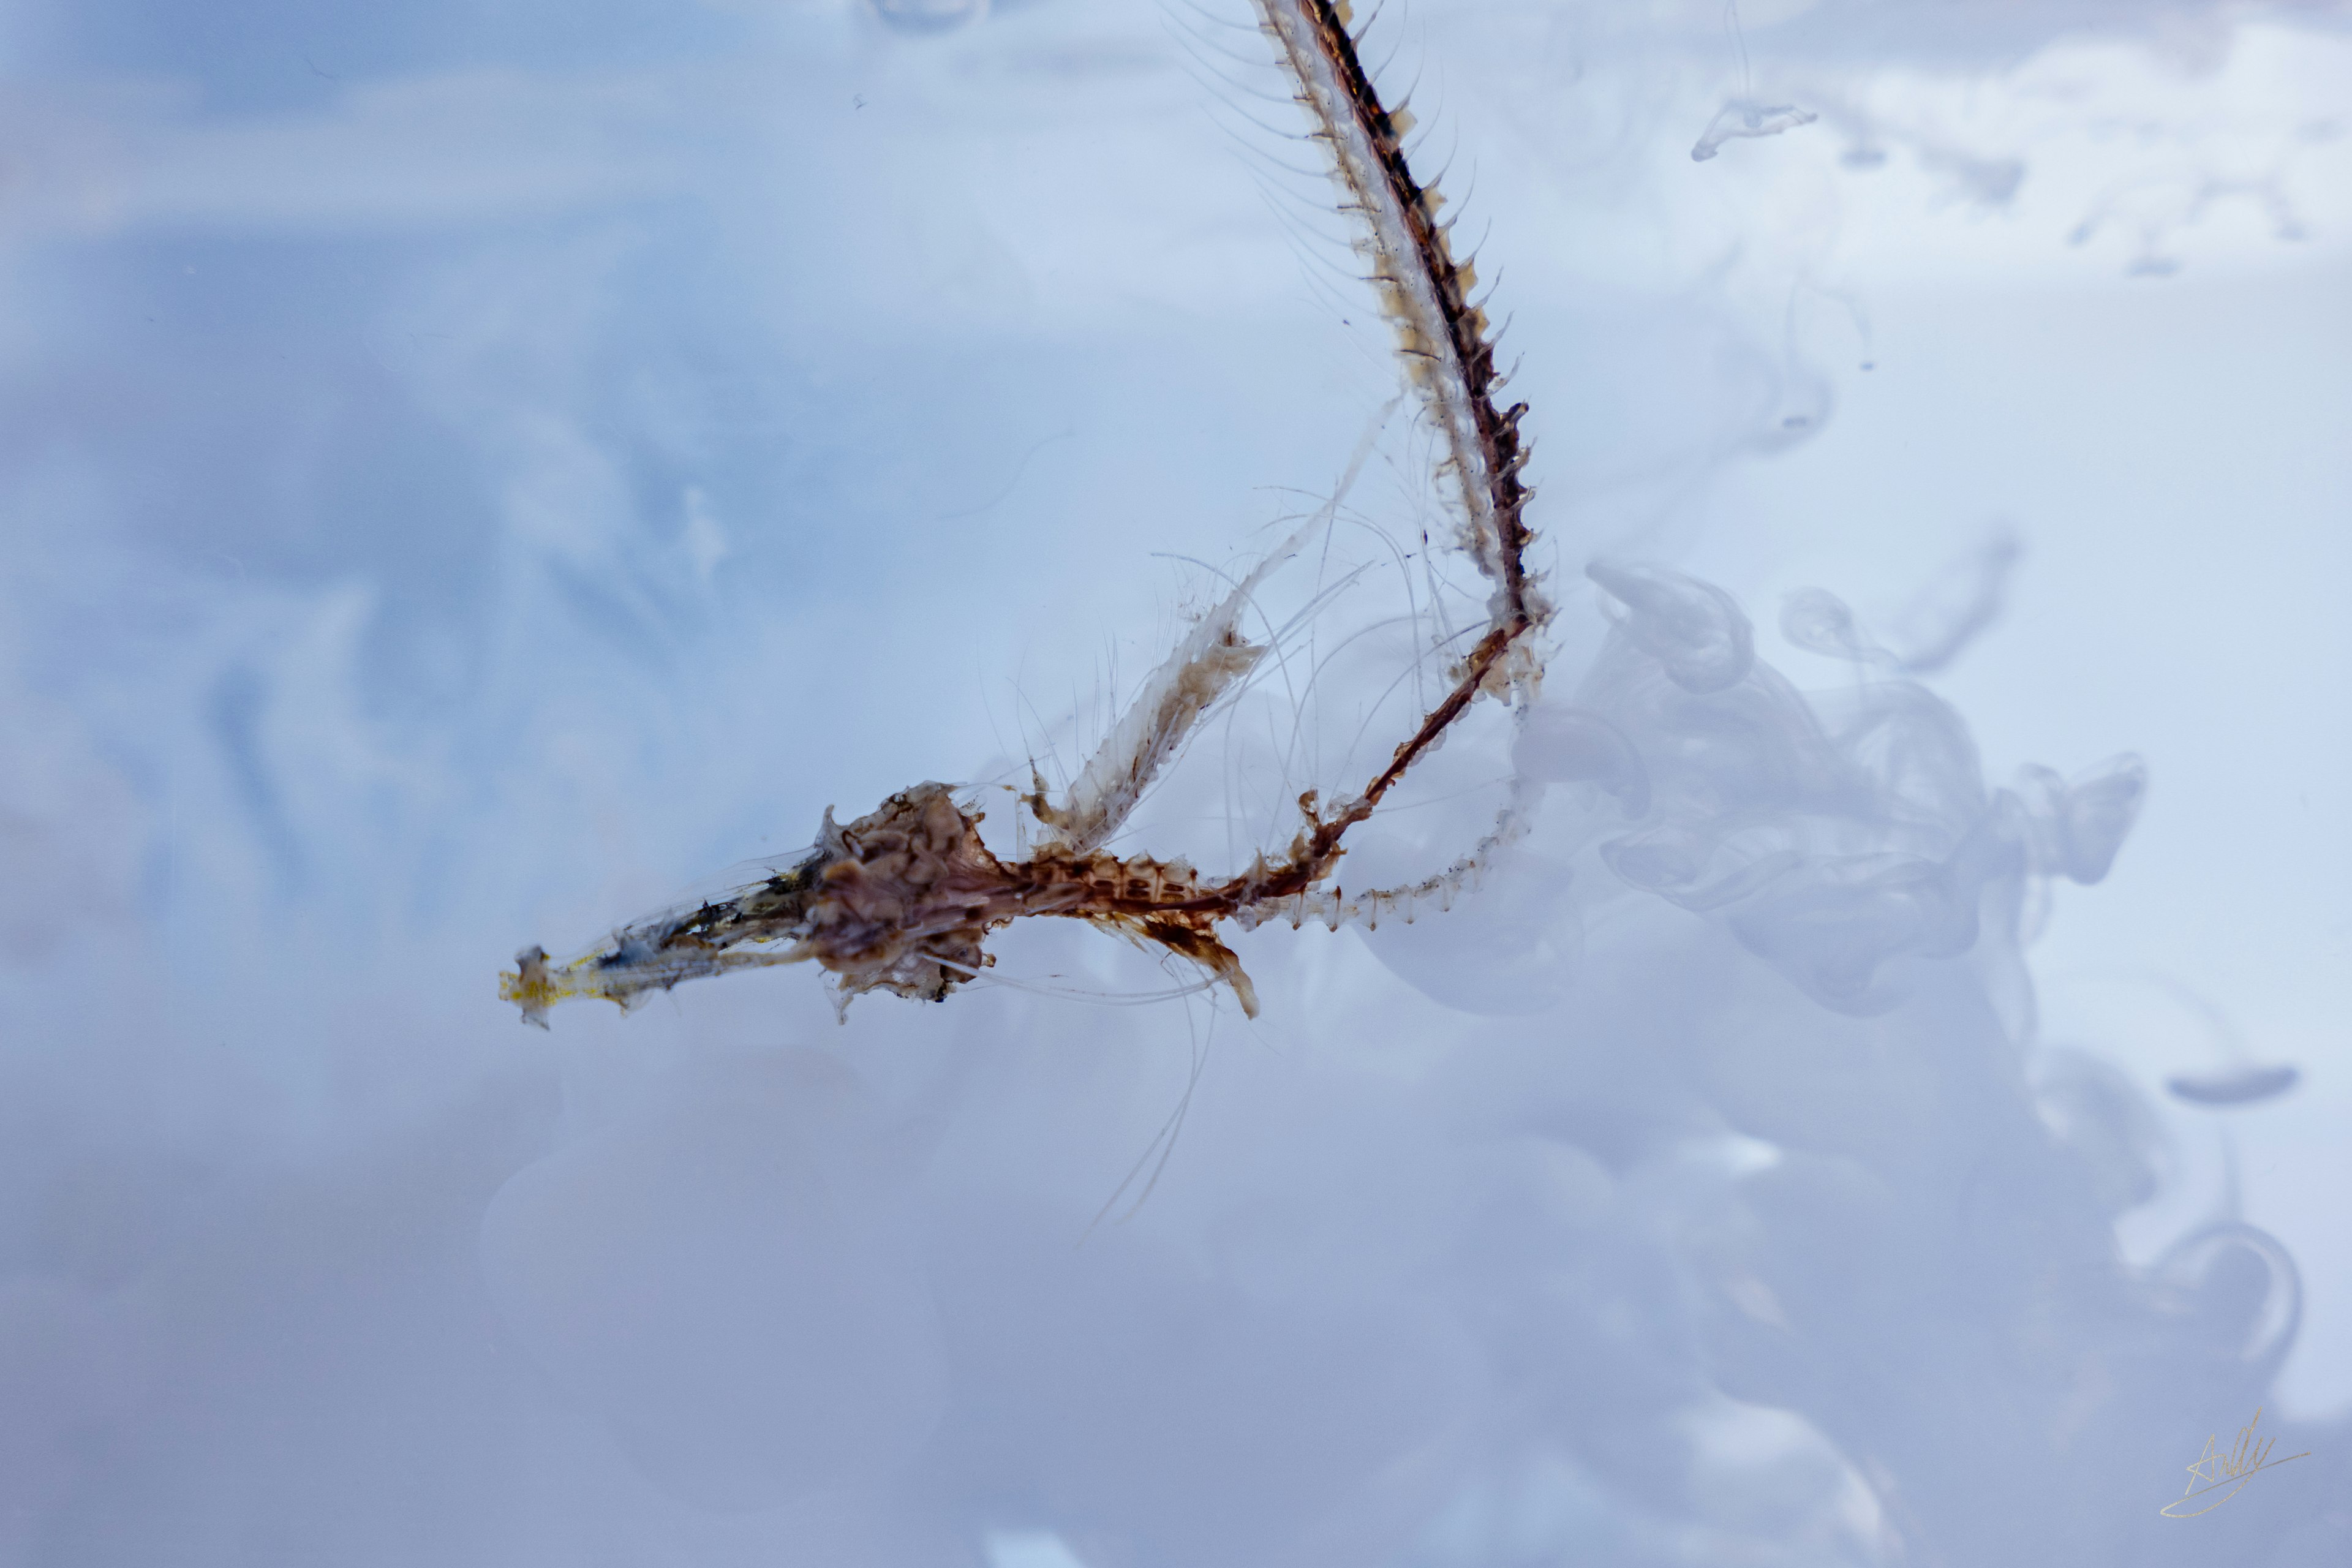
(2233,1470)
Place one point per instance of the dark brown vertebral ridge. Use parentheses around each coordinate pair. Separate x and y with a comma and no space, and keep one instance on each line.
(1442,334)
(903,899)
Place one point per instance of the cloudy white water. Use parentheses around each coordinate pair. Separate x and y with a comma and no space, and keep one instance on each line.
(471,474)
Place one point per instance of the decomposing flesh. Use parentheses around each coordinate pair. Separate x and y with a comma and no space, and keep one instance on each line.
(903,899)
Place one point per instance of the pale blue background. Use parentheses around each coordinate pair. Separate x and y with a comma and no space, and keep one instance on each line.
(472,471)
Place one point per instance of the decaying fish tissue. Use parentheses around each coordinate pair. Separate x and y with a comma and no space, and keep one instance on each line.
(903,899)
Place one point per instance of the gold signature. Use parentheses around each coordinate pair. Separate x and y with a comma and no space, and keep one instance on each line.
(2233,1470)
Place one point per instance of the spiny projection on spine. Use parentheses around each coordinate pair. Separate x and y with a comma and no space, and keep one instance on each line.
(1442,334)
(903,899)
